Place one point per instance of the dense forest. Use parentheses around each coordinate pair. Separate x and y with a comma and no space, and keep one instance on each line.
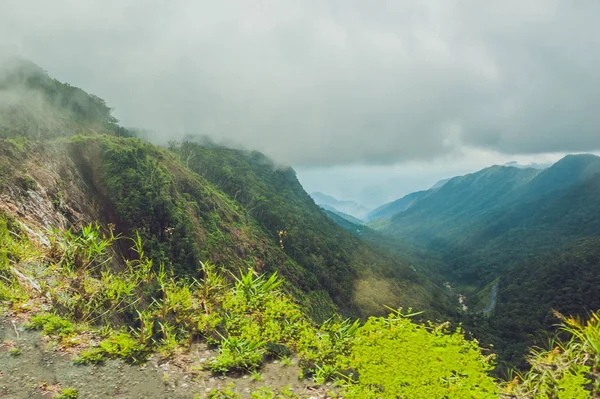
(530,232)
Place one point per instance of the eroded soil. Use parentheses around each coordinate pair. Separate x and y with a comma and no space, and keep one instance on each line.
(31,368)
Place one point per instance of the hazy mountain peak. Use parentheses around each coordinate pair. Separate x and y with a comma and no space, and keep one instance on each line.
(351,208)
(533,165)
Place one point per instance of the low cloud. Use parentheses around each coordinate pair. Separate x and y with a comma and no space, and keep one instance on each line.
(331,82)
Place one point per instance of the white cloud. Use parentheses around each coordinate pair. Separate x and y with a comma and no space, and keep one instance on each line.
(332,82)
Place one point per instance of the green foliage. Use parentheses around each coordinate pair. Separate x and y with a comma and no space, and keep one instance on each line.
(394,357)
(569,369)
(145,197)
(565,279)
(51,324)
(322,350)
(26,183)
(238,354)
(15,247)
(326,259)
(251,318)
(118,345)
(85,249)
(224,393)
(14,352)
(268,393)
(67,393)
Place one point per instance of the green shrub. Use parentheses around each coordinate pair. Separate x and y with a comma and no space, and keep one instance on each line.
(119,345)
(396,358)
(238,354)
(68,393)
(567,370)
(51,324)
(321,350)
(27,183)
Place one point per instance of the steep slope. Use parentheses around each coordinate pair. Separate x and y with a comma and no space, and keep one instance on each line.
(486,221)
(570,171)
(566,279)
(352,272)
(189,204)
(34,105)
(351,208)
(400,205)
(329,210)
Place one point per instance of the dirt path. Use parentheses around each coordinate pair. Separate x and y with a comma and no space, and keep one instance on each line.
(39,372)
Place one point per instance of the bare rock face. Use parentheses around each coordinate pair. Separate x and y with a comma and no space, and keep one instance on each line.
(44,189)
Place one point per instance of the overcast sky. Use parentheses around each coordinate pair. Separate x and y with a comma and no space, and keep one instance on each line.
(390,90)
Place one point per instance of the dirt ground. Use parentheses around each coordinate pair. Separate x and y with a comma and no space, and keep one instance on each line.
(30,368)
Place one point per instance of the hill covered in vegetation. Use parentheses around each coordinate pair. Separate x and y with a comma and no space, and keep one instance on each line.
(529,232)
(117,249)
(192,202)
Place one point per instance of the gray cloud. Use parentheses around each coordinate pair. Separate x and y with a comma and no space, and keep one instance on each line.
(331,82)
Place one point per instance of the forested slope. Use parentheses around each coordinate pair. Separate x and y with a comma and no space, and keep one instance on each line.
(191,203)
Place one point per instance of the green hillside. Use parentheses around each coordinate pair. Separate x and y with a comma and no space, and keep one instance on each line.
(338,263)
(193,202)
(566,280)
(117,250)
(400,205)
(331,210)
(534,232)
(482,223)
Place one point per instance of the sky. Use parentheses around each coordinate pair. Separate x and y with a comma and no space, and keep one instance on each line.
(366,99)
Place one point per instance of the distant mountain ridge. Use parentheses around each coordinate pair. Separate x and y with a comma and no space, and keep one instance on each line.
(351,208)
(533,165)
(400,205)
(533,231)
(329,209)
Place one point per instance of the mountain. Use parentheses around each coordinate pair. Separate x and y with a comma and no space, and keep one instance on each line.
(193,202)
(531,233)
(440,183)
(351,208)
(485,220)
(400,205)
(331,210)
(33,104)
(533,165)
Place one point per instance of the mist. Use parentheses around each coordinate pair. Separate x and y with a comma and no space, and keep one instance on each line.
(316,83)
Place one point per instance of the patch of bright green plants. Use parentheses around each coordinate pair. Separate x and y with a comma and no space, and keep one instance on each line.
(51,324)
(67,393)
(15,248)
(14,352)
(250,319)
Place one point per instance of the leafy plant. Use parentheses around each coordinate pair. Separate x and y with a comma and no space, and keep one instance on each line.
(51,324)
(393,357)
(67,393)
(119,345)
(238,354)
(14,352)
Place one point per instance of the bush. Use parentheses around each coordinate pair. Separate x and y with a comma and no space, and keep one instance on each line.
(51,324)
(396,358)
(238,354)
(119,345)
(68,393)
